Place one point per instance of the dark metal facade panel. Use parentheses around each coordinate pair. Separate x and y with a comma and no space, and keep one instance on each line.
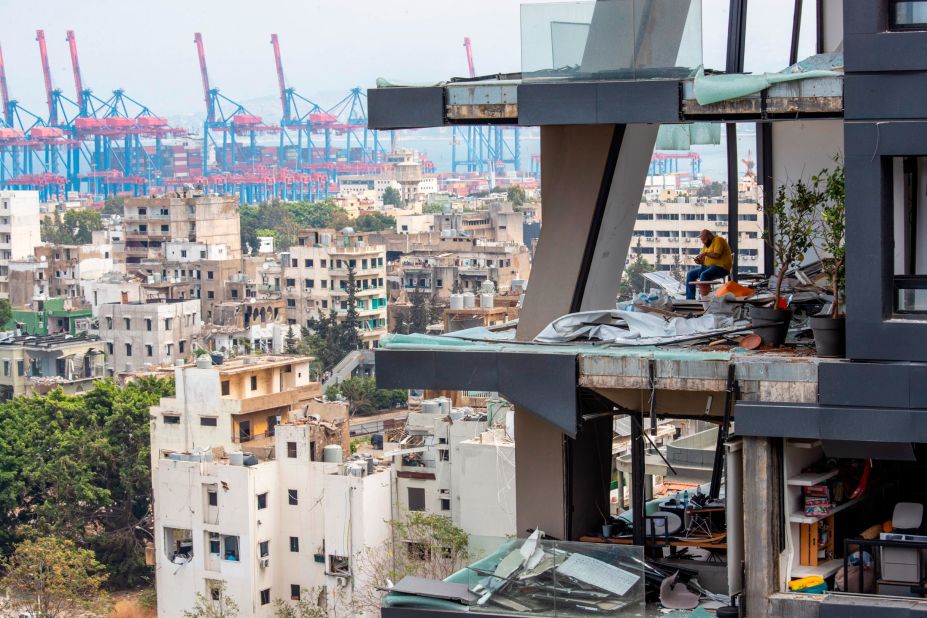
(405,108)
(641,101)
(885,96)
(615,102)
(865,17)
(544,384)
(856,606)
(885,51)
(567,103)
(851,384)
(860,424)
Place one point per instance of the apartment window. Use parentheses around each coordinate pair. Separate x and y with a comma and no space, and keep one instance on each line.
(149,350)
(445,455)
(168,349)
(142,211)
(291,450)
(294,262)
(210,294)
(209,274)
(209,421)
(265,596)
(168,323)
(324,284)
(416,499)
(324,304)
(234,293)
(324,263)
(264,548)
(109,349)
(181,346)
(6,368)
(226,388)
(128,323)
(262,500)
(148,324)
(254,383)
(165,228)
(171,419)
(109,323)
(291,302)
(292,497)
(909,15)
(445,504)
(215,546)
(310,283)
(183,253)
(128,349)
(20,368)
(308,263)
(294,592)
(213,499)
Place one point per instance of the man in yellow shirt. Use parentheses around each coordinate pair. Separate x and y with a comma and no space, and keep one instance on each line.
(714,261)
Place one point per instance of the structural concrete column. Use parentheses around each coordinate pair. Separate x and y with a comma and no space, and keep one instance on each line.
(762,529)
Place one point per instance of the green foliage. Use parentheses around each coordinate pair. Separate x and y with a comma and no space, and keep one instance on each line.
(54,577)
(75,228)
(365,398)
(714,189)
(633,281)
(374,222)
(356,443)
(792,216)
(517,196)
(291,342)
(114,206)
(78,467)
(224,607)
(432,209)
(6,311)
(392,197)
(832,215)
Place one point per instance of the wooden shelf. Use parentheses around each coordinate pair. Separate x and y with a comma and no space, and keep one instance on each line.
(825,569)
(799,517)
(808,479)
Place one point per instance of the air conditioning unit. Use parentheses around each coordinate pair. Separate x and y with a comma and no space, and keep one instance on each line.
(265,562)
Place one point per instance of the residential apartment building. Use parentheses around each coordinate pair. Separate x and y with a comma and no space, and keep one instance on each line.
(667,230)
(316,280)
(31,365)
(181,227)
(19,231)
(142,333)
(245,506)
(459,463)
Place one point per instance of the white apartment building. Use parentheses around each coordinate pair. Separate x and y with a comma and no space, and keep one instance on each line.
(19,231)
(461,464)
(316,280)
(149,333)
(262,518)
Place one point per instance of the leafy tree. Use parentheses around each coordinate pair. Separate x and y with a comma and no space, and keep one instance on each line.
(223,607)
(75,228)
(324,342)
(291,343)
(392,197)
(432,208)
(419,318)
(423,544)
(365,398)
(374,222)
(78,467)
(55,577)
(6,312)
(114,205)
(714,189)
(435,311)
(633,281)
(350,325)
(517,196)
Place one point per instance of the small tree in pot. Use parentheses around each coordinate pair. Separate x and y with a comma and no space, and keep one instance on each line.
(791,221)
(830,331)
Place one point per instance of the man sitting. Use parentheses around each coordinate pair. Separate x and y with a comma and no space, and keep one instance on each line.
(714,262)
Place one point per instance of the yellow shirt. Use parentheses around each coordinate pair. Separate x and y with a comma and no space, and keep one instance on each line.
(719,245)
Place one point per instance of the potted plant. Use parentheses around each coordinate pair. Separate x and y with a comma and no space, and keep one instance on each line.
(791,219)
(830,330)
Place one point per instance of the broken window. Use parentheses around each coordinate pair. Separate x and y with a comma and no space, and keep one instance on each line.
(416,498)
(262,501)
(339,565)
(264,549)
(292,497)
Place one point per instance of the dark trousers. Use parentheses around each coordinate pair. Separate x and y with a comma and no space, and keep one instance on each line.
(702,273)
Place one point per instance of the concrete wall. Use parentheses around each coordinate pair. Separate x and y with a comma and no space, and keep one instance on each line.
(186,326)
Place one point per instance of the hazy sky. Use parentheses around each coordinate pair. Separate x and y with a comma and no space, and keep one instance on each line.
(328,46)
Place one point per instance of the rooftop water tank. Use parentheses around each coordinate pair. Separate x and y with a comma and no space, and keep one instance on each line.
(431,406)
(445,404)
(457,301)
(332,454)
(236,459)
(469,300)
(203,361)
(488,287)
(486,300)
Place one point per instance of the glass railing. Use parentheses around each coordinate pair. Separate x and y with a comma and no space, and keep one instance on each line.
(611,39)
(531,577)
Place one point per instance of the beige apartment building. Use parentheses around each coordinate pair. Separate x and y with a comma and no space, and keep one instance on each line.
(182,227)
(670,220)
(141,333)
(316,280)
(19,231)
